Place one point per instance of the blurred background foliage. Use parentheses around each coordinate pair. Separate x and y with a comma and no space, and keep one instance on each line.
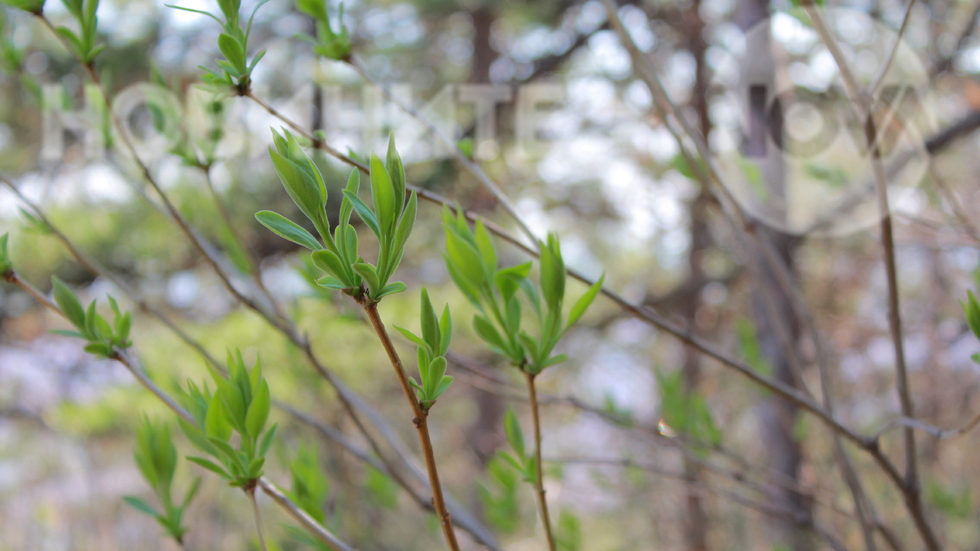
(607,181)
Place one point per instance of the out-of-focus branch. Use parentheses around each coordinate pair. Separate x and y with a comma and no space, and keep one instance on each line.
(471,166)
(909,486)
(971,24)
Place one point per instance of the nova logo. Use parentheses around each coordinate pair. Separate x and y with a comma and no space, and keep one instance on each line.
(793,143)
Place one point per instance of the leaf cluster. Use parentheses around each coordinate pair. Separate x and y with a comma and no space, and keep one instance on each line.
(84,43)
(328,43)
(500,501)
(6,265)
(432,348)
(687,413)
(955,502)
(568,532)
(11,57)
(35,7)
(390,219)
(236,70)
(472,263)
(103,339)
(310,487)
(971,310)
(169,120)
(156,457)
(522,460)
(33,224)
(240,405)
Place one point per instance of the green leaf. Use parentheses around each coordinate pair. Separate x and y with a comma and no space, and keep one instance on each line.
(330,282)
(216,424)
(396,171)
(554,360)
(314,8)
(465,260)
(445,331)
(209,465)
(430,325)
(5,262)
(487,251)
(302,185)
(582,304)
(513,318)
(370,275)
(202,12)
(443,386)
(196,436)
(383,197)
(140,505)
(364,212)
(390,289)
(255,467)
(267,440)
(329,263)
(258,411)
(471,292)
(489,334)
(512,428)
(191,492)
(68,333)
(508,280)
(31,6)
(226,453)
(233,52)
(99,349)
(287,229)
(552,274)
(405,226)
(412,337)
(69,304)
(568,532)
(353,184)
(971,308)
(231,394)
(437,369)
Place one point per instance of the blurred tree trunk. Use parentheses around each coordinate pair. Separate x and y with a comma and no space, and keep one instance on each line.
(771,309)
(480,436)
(697,523)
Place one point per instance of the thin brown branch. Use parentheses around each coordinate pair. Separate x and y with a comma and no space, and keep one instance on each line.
(421,425)
(971,24)
(909,484)
(765,508)
(254,262)
(691,449)
(538,470)
(886,66)
(258,517)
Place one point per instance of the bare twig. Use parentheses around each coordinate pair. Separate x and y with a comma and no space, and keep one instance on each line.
(909,485)
(765,508)
(538,471)
(883,72)
(971,24)
(258,517)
